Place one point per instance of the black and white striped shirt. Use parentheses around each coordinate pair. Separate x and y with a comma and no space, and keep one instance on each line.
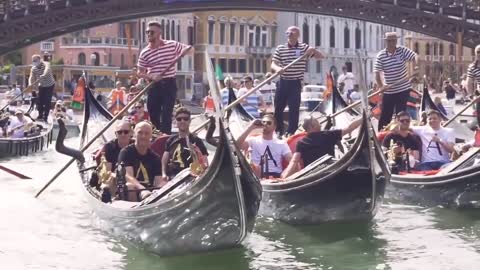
(394,68)
(473,72)
(285,54)
(37,71)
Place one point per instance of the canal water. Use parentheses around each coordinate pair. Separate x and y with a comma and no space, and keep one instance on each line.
(59,231)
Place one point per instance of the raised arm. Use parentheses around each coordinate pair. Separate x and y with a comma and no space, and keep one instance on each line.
(355,124)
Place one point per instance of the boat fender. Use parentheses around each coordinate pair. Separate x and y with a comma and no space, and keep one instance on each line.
(106,194)
(61,148)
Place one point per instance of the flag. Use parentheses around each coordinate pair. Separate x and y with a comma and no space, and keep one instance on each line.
(328,92)
(219,73)
(79,94)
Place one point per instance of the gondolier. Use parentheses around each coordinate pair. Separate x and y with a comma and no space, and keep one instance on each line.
(153,60)
(473,76)
(391,61)
(41,74)
(290,84)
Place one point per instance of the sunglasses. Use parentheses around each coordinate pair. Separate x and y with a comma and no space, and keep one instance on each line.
(288,33)
(149,32)
(267,123)
(138,107)
(182,119)
(124,132)
(404,120)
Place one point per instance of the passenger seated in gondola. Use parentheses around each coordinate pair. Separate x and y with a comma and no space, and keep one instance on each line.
(111,150)
(183,149)
(316,144)
(140,114)
(437,142)
(18,125)
(142,165)
(404,141)
(265,148)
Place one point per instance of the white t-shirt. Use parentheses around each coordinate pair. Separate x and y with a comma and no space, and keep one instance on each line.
(278,148)
(348,79)
(19,126)
(430,150)
(355,96)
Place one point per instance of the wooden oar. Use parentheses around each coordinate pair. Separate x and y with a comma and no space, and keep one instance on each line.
(476,99)
(130,104)
(15,97)
(256,88)
(369,96)
(15,173)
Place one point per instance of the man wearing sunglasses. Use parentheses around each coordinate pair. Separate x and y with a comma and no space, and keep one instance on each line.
(403,139)
(152,62)
(111,149)
(178,155)
(142,165)
(316,143)
(266,147)
(289,87)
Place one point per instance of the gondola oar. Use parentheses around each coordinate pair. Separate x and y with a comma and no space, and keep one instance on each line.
(476,99)
(369,96)
(120,113)
(15,173)
(15,97)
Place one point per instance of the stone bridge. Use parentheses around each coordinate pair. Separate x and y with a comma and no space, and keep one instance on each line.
(23,22)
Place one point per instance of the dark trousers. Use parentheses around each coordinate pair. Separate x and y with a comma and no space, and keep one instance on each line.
(392,103)
(288,93)
(161,99)
(44,101)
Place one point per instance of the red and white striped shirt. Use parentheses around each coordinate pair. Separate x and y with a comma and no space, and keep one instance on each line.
(156,60)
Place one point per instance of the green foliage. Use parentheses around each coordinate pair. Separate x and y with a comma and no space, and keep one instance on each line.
(58,61)
(14,58)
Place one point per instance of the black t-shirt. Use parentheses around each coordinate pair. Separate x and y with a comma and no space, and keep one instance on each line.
(317,144)
(180,157)
(112,150)
(409,142)
(450,91)
(145,167)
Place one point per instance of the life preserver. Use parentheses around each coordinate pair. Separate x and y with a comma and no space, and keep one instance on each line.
(209,104)
(117,101)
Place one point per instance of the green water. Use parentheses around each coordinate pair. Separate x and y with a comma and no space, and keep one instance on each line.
(58,231)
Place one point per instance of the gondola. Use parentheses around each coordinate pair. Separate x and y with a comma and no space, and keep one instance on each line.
(10,147)
(349,188)
(216,211)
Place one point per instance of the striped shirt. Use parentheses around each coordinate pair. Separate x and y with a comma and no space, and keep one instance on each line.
(224,95)
(285,54)
(45,81)
(473,72)
(251,106)
(394,68)
(156,60)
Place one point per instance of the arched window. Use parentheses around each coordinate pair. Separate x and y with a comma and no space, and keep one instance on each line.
(427,49)
(318,35)
(173,30)
(305,34)
(211,30)
(163,28)
(346,37)
(440,49)
(190,35)
(415,47)
(110,59)
(435,48)
(451,49)
(332,36)
(167,30)
(358,38)
(96,61)
(134,60)
(257,35)
(82,59)
(122,60)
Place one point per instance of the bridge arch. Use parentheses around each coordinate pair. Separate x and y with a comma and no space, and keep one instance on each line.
(36,20)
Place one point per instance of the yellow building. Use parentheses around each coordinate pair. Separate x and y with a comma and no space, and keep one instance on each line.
(439,59)
(239,42)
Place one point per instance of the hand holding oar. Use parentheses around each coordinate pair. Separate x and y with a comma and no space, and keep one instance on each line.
(15,97)
(256,88)
(118,115)
(476,99)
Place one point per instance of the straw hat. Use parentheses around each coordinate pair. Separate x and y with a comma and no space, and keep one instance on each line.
(391,35)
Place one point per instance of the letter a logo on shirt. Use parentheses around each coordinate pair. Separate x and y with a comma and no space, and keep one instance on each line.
(143,172)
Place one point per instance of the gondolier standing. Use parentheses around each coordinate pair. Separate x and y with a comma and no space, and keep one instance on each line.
(41,74)
(391,61)
(153,60)
(290,84)
(473,76)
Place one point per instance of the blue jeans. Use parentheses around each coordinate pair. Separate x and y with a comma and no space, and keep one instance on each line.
(432,165)
(412,112)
